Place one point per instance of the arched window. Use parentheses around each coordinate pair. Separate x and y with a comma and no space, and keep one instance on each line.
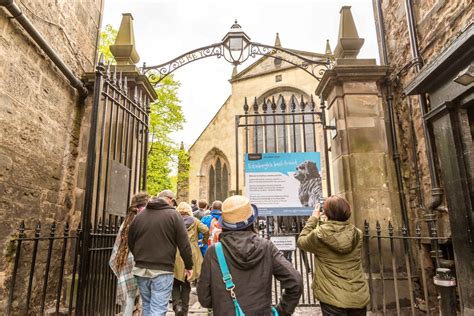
(218,180)
(212,184)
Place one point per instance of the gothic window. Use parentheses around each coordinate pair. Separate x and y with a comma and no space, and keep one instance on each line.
(212,186)
(218,180)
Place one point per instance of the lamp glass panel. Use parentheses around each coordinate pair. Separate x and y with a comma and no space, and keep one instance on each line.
(236,43)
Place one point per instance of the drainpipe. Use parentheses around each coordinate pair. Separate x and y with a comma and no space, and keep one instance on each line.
(16,13)
(436,191)
(393,132)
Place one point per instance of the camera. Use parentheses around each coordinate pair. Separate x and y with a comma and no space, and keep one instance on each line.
(321,203)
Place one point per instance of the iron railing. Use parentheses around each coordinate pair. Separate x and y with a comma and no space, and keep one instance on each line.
(400,270)
(44,270)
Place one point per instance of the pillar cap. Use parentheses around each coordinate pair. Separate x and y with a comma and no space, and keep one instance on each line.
(348,42)
(124,49)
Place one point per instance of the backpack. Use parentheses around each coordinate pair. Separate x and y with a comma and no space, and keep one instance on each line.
(214,230)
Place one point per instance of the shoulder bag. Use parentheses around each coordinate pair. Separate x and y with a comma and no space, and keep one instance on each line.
(229,285)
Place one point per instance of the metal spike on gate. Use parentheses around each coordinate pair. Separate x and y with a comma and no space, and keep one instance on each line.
(378,228)
(292,103)
(79,229)
(255,105)
(404,230)
(281,100)
(99,226)
(114,75)
(21,229)
(38,229)
(246,106)
(274,106)
(125,86)
(135,93)
(101,60)
(119,83)
(302,104)
(390,228)
(312,104)
(366,228)
(417,230)
(107,70)
(264,107)
(53,229)
(66,229)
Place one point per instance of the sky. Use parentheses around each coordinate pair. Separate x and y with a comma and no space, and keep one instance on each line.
(165,29)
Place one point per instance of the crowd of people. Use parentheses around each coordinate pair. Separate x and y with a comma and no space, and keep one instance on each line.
(163,249)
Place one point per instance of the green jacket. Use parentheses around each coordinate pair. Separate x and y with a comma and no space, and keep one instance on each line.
(338,279)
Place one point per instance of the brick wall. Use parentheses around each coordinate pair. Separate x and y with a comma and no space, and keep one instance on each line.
(41,115)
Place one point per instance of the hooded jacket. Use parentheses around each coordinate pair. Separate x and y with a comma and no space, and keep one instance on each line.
(194,227)
(154,235)
(338,277)
(252,262)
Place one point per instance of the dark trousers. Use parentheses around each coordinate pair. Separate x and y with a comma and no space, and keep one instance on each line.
(180,295)
(329,310)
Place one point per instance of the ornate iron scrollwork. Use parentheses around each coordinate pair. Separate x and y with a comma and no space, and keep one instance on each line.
(315,67)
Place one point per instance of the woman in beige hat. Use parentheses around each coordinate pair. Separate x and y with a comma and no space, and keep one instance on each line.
(181,285)
(252,262)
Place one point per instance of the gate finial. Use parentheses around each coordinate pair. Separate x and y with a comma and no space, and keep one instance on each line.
(124,47)
(348,42)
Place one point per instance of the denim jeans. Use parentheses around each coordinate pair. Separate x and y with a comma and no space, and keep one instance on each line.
(155,294)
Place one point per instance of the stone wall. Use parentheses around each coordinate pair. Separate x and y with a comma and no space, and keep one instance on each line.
(438,22)
(41,115)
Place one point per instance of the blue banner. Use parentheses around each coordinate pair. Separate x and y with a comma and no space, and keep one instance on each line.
(284,184)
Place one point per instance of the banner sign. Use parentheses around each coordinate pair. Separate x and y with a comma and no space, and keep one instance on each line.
(283,184)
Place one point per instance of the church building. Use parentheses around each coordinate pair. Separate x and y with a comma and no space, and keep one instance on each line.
(213,161)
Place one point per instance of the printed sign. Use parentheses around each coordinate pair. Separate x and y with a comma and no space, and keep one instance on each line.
(284,243)
(283,184)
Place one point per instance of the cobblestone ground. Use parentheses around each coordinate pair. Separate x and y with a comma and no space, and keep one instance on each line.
(197,310)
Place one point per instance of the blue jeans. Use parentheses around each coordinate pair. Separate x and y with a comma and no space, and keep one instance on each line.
(155,294)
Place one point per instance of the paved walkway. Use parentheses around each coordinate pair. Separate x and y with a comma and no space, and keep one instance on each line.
(197,310)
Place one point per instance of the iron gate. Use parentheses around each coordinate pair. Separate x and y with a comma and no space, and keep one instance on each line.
(285,124)
(81,282)
(117,156)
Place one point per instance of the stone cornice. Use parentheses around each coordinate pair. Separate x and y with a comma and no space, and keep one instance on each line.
(358,71)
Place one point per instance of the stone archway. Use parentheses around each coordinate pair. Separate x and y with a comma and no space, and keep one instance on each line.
(214,183)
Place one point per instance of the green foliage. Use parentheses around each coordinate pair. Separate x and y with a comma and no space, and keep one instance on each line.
(107,38)
(166,117)
(183,171)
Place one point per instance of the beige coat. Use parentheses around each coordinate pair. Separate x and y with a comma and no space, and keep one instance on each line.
(193,231)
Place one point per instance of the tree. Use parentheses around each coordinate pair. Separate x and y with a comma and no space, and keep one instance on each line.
(107,38)
(166,116)
(183,174)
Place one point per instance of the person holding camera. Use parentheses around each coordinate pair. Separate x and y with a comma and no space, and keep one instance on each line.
(339,283)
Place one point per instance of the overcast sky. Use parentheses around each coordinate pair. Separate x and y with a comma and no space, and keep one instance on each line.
(165,29)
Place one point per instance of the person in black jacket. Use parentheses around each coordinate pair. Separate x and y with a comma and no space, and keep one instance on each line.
(153,238)
(252,261)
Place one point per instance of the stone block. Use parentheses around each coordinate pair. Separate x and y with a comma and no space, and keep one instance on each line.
(362,105)
(366,140)
(360,87)
(368,171)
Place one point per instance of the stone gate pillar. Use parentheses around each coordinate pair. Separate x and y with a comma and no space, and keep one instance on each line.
(363,171)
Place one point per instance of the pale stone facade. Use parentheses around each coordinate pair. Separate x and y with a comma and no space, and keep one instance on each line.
(263,79)
(41,115)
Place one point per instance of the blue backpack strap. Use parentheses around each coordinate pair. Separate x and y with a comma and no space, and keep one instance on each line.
(224,268)
(229,285)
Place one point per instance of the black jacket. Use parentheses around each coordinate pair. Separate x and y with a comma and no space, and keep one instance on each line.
(154,235)
(252,262)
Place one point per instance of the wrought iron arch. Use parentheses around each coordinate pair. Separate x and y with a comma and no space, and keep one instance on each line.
(314,67)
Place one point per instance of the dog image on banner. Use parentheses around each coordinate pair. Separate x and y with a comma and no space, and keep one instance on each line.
(310,189)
